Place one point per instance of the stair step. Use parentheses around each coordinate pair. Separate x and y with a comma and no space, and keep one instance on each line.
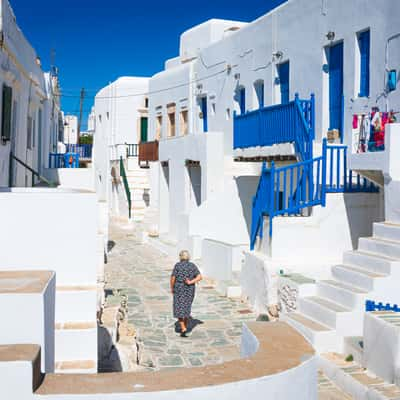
(354,380)
(320,336)
(76,340)
(76,366)
(387,230)
(67,297)
(370,261)
(331,314)
(327,390)
(347,295)
(360,277)
(388,248)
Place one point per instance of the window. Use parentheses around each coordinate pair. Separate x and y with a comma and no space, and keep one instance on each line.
(364,47)
(146,102)
(158,127)
(6,113)
(29,133)
(259,91)
(184,122)
(171,119)
(33,133)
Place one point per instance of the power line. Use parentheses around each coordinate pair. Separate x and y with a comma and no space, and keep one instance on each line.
(153,92)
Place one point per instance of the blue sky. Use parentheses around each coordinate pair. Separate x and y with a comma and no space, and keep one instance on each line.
(96,41)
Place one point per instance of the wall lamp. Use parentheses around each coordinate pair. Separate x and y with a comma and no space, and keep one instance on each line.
(277,55)
(330,36)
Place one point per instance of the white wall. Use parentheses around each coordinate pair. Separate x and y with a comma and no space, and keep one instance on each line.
(50,229)
(70,129)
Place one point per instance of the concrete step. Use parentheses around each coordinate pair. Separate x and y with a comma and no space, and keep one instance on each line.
(76,367)
(357,276)
(356,381)
(76,303)
(371,261)
(327,390)
(320,336)
(388,248)
(386,230)
(348,296)
(76,341)
(331,314)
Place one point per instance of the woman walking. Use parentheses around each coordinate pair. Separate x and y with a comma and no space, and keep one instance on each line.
(183,280)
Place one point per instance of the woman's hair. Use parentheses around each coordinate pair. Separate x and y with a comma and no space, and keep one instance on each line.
(184,255)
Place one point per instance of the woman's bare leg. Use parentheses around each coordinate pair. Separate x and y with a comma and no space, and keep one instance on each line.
(182,323)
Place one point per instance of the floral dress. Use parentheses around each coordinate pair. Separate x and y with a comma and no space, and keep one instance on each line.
(183,293)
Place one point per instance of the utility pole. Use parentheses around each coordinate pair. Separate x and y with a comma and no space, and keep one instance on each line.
(80,112)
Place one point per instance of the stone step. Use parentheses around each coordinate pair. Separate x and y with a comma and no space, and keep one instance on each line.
(76,341)
(387,248)
(386,230)
(331,314)
(356,381)
(76,367)
(320,336)
(357,276)
(327,390)
(348,296)
(76,303)
(370,261)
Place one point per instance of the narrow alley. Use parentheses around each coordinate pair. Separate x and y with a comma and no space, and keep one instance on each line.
(142,273)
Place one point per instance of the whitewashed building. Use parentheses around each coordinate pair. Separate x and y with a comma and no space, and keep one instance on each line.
(210,159)
(119,118)
(70,129)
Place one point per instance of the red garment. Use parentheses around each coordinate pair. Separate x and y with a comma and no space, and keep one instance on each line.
(355,121)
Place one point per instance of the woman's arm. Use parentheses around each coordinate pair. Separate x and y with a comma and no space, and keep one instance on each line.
(172,283)
(195,280)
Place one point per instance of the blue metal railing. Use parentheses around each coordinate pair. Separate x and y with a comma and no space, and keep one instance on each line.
(339,178)
(84,150)
(67,160)
(284,123)
(286,191)
(372,306)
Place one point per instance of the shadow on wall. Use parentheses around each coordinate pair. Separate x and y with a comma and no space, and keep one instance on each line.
(247,188)
(362,210)
(108,356)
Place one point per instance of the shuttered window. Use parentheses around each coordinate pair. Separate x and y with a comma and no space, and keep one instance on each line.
(364,45)
(6,113)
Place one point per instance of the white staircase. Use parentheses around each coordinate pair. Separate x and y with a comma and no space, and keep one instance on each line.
(336,311)
(139,186)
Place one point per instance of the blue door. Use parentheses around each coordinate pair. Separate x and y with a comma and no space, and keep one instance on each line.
(204,112)
(283,73)
(336,86)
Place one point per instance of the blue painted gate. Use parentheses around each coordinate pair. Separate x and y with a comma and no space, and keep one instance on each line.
(205,114)
(336,87)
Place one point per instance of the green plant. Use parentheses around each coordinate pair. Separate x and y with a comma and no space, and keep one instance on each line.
(349,358)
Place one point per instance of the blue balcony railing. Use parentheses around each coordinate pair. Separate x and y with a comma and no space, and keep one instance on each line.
(285,191)
(67,160)
(284,123)
(371,305)
(84,150)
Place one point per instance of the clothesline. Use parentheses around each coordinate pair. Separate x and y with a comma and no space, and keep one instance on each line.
(369,129)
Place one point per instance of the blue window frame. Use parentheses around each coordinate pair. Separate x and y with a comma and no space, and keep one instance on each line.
(242,100)
(364,39)
(283,74)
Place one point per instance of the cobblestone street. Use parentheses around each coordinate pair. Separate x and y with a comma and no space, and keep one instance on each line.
(142,274)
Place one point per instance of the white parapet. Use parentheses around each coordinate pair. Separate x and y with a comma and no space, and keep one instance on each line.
(27,301)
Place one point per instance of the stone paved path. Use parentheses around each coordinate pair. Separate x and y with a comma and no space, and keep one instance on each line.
(142,273)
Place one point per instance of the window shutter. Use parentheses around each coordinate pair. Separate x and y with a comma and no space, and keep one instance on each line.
(364,44)
(6,113)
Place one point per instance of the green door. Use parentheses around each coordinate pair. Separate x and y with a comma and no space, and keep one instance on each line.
(143,129)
